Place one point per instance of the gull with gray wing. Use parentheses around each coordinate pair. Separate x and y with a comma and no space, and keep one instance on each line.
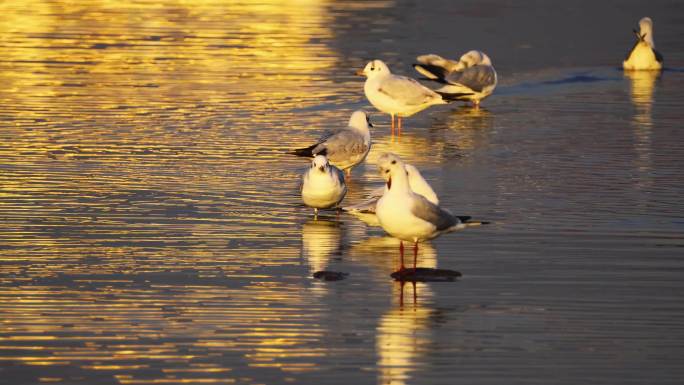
(397,95)
(344,147)
(408,216)
(365,210)
(471,78)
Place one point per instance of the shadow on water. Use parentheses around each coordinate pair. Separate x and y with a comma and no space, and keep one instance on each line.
(559,82)
(587,78)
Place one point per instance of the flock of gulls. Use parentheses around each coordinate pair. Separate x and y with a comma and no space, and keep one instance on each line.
(407,207)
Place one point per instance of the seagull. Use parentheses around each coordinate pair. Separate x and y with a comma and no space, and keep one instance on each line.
(397,95)
(323,185)
(643,55)
(473,76)
(417,183)
(409,216)
(344,147)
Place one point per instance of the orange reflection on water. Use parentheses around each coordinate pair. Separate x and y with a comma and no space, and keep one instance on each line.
(642,90)
(140,212)
(404,333)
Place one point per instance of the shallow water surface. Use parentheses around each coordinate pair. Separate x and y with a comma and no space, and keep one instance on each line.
(152,229)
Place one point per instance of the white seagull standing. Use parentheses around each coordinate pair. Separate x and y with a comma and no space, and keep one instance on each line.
(323,185)
(643,55)
(344,147)
(409,216)
(473,76)
(397,95)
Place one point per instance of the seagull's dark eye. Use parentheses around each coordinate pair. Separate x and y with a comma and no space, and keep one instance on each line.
(394,162)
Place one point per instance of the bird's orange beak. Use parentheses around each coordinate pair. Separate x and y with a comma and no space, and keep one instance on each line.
(360,73)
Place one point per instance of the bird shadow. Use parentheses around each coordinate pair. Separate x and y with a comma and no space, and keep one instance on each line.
(425,274)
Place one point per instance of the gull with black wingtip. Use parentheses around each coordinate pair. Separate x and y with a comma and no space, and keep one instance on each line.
(408,216)
(344,147)
(472,77)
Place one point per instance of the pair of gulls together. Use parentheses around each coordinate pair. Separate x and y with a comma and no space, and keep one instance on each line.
(471,78)
(407,208)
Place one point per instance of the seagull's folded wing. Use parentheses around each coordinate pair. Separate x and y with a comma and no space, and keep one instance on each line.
(475,78)
(344,144)
(406,91)
(434,67)
(427,211)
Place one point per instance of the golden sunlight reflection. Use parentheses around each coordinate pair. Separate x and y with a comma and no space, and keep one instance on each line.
(321,239)
(642,89)
(466,117)
(382,254)
(404,332)
(140,242)
(451,134)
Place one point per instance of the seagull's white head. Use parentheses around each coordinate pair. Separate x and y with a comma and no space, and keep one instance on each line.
(392,170)
(360,120)
(320,162)
(646,31)
(373,69)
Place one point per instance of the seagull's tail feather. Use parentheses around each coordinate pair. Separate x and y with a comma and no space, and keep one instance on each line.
(465,220)
(432,72)
(451,97)
(367,206)
(307,152)
(476,223)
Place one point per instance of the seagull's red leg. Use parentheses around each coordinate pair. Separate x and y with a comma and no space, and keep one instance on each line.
(415,255)
(392,117)
(401,293)
(401,253)
(398,125)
